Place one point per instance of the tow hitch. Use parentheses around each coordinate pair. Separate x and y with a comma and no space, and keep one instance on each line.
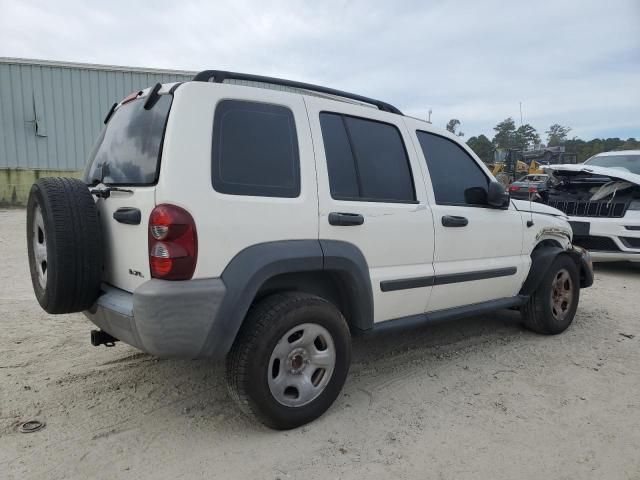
(99,337)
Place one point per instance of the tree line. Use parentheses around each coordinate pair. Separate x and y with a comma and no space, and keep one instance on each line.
(525,137)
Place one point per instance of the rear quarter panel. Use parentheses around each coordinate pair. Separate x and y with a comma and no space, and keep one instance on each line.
(227,224)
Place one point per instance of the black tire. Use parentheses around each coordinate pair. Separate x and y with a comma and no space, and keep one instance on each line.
(71,236)
(248,362)
(540,314)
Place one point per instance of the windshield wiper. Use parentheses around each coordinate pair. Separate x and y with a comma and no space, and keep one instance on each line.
(106,191)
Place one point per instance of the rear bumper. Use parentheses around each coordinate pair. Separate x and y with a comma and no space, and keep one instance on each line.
(164,318)
(522,195)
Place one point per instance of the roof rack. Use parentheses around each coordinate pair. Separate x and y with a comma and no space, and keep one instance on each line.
(219,76)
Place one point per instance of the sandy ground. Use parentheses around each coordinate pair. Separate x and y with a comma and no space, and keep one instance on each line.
(479,398)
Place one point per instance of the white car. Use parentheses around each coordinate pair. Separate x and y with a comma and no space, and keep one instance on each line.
(602,200)
(267,227)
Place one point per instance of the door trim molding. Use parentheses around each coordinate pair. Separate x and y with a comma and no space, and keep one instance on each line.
(419,282)
(406,283)
(477,275)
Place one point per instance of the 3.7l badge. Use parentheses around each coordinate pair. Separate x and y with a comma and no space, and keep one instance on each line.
(135,273)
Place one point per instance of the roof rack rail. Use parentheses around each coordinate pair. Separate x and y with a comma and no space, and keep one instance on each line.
(220,76)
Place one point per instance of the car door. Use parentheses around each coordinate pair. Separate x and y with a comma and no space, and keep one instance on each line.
(478,249)
(369,178)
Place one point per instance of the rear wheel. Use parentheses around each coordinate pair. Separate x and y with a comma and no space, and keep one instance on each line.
(64,245)
(553,305)
(290,359)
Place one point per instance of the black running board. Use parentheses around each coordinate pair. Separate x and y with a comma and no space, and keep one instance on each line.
(449,314)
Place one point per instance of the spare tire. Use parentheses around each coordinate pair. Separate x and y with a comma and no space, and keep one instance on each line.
(64,242)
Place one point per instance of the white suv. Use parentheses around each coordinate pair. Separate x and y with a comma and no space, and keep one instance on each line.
(601,198)
(268,222)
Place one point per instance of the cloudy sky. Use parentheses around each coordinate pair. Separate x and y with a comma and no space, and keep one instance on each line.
(575,62)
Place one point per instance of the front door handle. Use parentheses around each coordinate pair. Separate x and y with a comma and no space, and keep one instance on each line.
(128,215)
(345,219)
(454,221)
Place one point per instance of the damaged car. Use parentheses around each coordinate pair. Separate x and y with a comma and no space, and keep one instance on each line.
(601,197)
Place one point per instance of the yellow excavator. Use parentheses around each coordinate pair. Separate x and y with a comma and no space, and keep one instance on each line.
(511,163)
(512,166)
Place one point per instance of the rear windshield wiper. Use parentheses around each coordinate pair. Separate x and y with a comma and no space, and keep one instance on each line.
(106,191)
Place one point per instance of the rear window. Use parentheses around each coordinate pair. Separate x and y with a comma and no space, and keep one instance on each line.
(255,150)
(129,147)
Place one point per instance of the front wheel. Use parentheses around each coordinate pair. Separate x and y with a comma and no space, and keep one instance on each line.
(290,359)
(553,304)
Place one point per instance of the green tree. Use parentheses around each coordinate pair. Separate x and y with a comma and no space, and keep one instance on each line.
(505,136)
(630,144)
(452,125)
(483,147)
(508,136)
(557,135)
(526,137)
(587,149)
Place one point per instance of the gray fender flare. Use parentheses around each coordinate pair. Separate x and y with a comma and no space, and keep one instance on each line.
(347,261)
(253,266)
(541,260)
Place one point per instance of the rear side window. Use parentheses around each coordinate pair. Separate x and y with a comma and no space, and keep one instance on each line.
(366,160)
(255,150)
(129,147)
(452,170)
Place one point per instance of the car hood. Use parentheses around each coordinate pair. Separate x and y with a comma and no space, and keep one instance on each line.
(613,173)
(535,207)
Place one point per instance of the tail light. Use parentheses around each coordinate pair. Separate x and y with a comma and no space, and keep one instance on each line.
(533,189)
(514,188)
(173,243)
(131,97)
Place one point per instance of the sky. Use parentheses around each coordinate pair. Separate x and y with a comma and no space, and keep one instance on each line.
(571,62)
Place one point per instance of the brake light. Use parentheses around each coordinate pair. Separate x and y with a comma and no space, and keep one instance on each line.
(132,96)
(533,189)
(173,243)
(514,188)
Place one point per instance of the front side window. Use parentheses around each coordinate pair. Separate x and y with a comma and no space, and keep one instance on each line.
(255,150)
(453,171)
(366,160)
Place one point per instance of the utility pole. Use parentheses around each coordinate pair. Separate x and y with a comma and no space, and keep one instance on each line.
(520,113)
(429,119)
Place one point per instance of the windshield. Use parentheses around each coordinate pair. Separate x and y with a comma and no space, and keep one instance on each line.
(628,162)
(128,149)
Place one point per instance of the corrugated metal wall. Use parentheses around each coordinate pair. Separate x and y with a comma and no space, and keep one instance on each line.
(51,113)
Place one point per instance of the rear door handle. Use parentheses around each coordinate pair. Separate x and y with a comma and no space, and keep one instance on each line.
(454,221)
(128,215)
(345,219)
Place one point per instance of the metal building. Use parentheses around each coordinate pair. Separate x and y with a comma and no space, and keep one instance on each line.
(52,112)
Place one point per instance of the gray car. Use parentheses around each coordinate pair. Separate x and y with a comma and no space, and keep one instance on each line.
(527,186)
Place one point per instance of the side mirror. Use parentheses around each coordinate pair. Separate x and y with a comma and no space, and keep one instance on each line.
(475,196)
(497,196)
